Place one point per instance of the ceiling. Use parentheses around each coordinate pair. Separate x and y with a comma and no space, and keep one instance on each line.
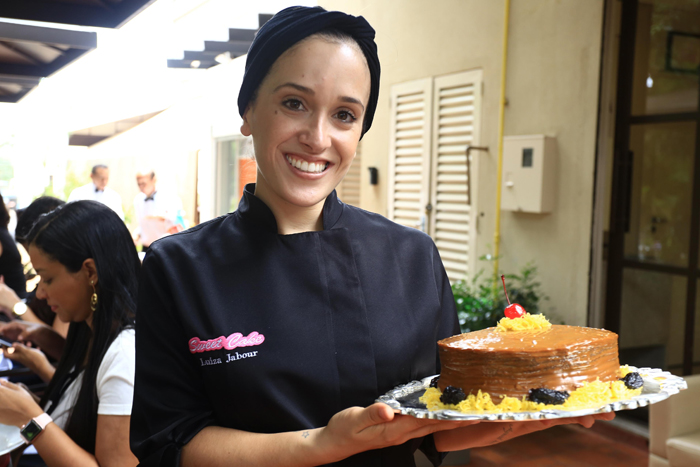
(96,13)
(95,134)
(29,53)
(216,52)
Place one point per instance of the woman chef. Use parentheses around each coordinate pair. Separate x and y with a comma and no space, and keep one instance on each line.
(264,336)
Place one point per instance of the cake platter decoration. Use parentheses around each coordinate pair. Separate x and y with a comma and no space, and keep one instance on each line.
(658,385)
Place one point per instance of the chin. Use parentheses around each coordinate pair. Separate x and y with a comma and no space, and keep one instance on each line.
(305,197)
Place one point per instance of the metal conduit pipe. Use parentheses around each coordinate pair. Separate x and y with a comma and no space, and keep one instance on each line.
(501,117)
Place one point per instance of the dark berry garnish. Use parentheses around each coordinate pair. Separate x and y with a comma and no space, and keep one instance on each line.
(452,395)
(434,381)
(548,396)
(633,381)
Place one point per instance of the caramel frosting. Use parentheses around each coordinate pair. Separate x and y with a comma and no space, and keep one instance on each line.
(511,363)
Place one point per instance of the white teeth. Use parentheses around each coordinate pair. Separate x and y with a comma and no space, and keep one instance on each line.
(306,166)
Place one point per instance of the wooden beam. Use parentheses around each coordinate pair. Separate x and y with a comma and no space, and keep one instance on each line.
(59,37)
(105,14)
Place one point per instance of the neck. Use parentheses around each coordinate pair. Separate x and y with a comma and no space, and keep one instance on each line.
(292,219)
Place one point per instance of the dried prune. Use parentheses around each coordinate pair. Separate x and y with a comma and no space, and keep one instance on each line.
(633,380)
(452,395)
(547,396)
(434,381)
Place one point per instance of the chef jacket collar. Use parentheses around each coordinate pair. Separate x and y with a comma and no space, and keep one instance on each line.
(253,208)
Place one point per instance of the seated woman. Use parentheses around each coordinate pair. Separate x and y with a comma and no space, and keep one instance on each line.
(35,321)
(10,261)
(89,268)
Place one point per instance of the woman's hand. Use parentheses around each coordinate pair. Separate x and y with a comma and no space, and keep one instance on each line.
(34,359)
(17,406)
(19,330)
(359,429)
(489,433)
(43,336)
(8,299)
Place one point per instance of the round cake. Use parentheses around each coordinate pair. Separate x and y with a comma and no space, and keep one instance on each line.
(511,362)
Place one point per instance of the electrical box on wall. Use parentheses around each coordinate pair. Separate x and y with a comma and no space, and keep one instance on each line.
(529,173)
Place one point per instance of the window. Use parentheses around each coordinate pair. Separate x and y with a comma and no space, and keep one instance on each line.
(430,188)
(236,167)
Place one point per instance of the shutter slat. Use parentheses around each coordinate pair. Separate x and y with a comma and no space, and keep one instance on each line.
(451,111)
(447,92)
(445,235)
(455,126)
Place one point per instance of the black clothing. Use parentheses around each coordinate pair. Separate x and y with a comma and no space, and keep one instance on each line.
(327,320)
(295,23)
(11,264)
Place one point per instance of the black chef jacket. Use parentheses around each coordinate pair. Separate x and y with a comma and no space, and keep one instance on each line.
(240,327)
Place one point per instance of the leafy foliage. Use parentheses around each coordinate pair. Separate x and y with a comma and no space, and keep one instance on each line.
(480,305)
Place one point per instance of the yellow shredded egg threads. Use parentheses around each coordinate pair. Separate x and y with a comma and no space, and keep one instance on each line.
(590,395)
(527,322)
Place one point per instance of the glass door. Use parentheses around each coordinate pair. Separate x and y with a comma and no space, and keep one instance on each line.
(652,287)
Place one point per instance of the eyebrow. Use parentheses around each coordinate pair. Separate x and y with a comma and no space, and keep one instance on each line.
(304,89)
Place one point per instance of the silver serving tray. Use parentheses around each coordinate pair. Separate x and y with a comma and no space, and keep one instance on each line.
(658,385)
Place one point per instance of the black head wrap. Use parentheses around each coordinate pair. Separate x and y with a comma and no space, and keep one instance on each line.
(293,24)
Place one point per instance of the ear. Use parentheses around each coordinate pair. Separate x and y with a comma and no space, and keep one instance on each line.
(90,270)
(245,127)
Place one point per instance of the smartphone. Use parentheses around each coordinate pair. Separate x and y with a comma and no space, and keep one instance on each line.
(4,343)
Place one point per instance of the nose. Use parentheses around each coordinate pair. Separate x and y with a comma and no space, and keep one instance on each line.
(40,292)
(316,134)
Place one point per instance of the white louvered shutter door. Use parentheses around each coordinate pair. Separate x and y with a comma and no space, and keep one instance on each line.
(409,153)
(456,112)
(349,189)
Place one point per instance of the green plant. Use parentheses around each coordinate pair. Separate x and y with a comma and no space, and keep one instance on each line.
(479,307)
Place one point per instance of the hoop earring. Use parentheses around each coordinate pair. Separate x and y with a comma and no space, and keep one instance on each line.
(93,299)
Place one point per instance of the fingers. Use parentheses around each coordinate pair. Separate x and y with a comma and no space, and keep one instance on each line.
(8,385)
(605,416)
(376,414)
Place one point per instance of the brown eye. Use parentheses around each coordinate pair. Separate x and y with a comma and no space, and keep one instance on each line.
(345,116)
(293,104)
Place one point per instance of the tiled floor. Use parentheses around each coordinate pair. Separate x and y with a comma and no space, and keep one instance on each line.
(567,446)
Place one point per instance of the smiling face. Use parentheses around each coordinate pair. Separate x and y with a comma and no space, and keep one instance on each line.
(67,293)
(306,122)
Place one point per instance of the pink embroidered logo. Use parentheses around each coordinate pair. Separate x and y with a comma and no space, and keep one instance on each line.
(229,343)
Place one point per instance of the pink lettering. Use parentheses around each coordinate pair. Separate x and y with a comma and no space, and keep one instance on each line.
(236,340)
(231,342)
(197,346)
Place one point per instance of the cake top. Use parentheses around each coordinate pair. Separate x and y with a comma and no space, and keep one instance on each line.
(527,322)
(552,338)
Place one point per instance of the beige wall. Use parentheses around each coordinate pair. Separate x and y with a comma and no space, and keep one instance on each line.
(552,88)
(167,143)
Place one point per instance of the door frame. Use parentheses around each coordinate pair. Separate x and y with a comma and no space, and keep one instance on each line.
(621,196)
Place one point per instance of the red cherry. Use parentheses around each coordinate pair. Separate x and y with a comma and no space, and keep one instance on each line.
(513,310)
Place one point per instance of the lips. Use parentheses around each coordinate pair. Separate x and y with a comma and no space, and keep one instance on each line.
(305,166)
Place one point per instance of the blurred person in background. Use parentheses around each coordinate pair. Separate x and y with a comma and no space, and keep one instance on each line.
(34,321)
(98,190)
(89,269)
(159,213)
(11,269)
